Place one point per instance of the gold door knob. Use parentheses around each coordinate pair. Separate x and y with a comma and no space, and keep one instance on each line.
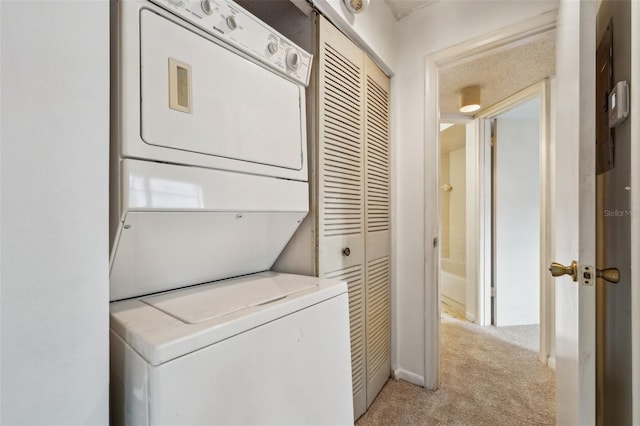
(609,274)
(558,270)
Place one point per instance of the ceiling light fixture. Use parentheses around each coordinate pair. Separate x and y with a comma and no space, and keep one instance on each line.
(470,99)
(356,6)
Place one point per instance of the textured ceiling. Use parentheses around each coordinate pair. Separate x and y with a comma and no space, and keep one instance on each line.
(402,8)
(499,75)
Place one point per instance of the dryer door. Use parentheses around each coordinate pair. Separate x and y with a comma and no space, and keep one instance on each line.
(200,97)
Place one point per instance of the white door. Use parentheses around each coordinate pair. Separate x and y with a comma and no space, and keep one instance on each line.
(517,215)
(378,228)
(354,224)
(575,211)
(341,198)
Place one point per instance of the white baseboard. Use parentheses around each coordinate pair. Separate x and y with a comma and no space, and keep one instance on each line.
(408,376)
(470,317)
(453,303)
(551,362)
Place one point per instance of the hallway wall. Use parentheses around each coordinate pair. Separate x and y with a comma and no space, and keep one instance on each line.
(453,201)
(458,207)
(445,201)
(55,192)
(453,216)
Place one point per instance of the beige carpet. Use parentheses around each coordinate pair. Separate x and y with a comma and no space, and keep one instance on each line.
(484,381)
(526,336)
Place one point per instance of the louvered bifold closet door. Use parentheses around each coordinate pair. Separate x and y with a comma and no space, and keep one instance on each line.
(341,185)
(378,229)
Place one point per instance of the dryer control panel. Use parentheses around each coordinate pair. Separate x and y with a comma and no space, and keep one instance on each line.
(227,21)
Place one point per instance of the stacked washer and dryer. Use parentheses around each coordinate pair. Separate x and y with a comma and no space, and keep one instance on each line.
(209,181)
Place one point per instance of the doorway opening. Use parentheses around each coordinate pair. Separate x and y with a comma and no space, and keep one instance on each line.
(453,218)
(439,67)
(505,212)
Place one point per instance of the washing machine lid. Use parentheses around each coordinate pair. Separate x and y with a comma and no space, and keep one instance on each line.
(169,325)
(206,302)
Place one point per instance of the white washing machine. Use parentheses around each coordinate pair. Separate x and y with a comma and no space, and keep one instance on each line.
(209,181)
(262,349)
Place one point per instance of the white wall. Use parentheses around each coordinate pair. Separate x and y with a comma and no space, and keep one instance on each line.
(373,30)
(54,224)
(453,217)
(458,205)
(452,203)
(517,216)
(472,204)
(429,30)
(445,201)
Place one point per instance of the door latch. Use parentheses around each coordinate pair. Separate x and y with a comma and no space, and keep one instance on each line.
(586,275)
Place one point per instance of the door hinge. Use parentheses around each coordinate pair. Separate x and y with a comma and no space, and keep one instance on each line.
(435,242)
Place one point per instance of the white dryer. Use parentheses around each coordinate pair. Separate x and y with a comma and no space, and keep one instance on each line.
(209,162)
(208,182)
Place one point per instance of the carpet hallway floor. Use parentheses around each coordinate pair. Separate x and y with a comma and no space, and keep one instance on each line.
(484,381)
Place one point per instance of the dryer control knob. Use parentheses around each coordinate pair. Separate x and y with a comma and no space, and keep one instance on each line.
(206,6)
(231,22)
(293,60)
(272,47)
